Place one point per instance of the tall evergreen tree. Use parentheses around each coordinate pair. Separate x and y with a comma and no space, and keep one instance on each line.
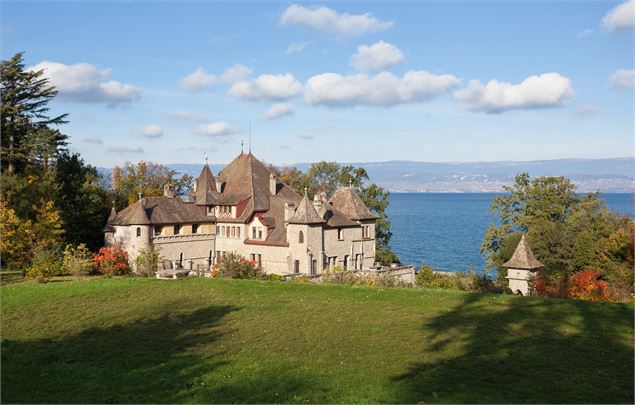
(23,111)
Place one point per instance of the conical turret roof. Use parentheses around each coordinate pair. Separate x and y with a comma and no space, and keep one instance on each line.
(305,213)
(523,258)
(111,217)
(138,214)
(206,193)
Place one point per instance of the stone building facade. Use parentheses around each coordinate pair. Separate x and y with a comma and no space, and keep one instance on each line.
(247,209)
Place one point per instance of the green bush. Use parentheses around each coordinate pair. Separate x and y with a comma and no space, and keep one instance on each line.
(77,261)
(427,278)
(233,265)
(147,262)
(45,263)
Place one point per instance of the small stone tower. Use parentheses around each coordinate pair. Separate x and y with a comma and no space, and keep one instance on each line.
(521,268)
(140,229)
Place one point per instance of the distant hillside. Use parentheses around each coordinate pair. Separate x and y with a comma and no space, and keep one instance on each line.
(616,175)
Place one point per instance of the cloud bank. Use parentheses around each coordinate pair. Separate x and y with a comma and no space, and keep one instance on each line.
(326,20)
(278,110)
(543,91)
(84,82)
(383,89)
(623,78)
(197,81)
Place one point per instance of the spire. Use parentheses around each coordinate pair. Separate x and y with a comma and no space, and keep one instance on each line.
(523,258)
(138,215)
(205,187)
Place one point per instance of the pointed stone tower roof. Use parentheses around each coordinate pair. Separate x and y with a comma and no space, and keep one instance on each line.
(111,217)
(305,214)
(134,214)
(523,258)
(348,203)
(206,193)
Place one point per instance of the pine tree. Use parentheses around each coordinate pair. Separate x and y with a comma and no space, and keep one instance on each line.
(24,110)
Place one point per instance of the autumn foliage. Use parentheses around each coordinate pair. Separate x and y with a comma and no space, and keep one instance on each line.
(111,261)
(586,285)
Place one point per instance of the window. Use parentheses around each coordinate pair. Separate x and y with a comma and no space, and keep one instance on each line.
(233,231)
(254,233)
(217,229)
(177,229)
(259,233)
(210,210)
(301,237)
(157,230)
(345,262)
(223,231)
(252,257)
(238,232)
(195,228)
(340,234)
(218,256)
(313,267)
(138,232)
(259,262)
(296,266)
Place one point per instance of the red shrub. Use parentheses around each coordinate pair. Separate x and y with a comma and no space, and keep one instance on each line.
(111,261)
(585,285)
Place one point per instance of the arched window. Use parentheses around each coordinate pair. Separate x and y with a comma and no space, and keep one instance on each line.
(301,237)
(138,232)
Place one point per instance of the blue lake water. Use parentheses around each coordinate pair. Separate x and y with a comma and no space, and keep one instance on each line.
(446,229)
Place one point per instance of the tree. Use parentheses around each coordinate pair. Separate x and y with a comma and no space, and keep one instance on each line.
(146,178)
(47,226)
(84,204)
(567,233)
(23,111)
(147,262)
(16,238)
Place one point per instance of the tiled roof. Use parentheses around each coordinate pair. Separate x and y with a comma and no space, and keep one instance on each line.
(346,202)
(523,258)
(206,193)
(111,217)
(305,213)
(161,210)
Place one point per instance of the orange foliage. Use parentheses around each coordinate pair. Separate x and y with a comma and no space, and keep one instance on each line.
(585,285)
(111,261)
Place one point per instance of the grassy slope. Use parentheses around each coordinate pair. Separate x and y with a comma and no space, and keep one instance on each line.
(201,340)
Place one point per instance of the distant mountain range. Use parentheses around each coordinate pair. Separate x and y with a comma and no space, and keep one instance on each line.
(615,175)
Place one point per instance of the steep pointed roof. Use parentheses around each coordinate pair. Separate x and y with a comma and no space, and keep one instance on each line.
(247,177)
(137,213)
(305,213)
(523,258)
(111,217)
(346,201)
(206,193)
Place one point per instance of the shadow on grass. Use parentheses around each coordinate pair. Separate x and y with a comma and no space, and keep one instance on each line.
(155,360)
(524,351)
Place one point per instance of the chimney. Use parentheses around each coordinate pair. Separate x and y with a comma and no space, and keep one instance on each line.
(318,200)
(168,190)
(273,184)
(289,210)
(219,184)
(195,186)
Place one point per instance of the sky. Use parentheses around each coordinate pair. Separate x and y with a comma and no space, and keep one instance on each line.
(432,81)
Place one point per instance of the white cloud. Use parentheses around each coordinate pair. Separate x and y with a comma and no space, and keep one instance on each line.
(377,56)
(324,19)
(219,128)
(297,47)
(184,115)
(305,137)
(383,89)
(267,87)
(543,91)
(278,110)
(125,149)
(585,33)
(624,78)
(621,17)
(198,80)
(585,111)
(235,73)
(86,83)
(152,131)
(93,140)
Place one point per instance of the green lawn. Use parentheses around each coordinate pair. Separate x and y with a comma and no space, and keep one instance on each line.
(201,340)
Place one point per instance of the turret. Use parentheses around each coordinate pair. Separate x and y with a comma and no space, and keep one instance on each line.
(522,268)
(168,190)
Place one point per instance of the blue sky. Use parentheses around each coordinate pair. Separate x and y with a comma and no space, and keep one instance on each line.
(358,81)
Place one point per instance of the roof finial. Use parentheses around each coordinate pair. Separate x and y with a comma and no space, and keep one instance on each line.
(305,191)
(140,194)
(250,137)
(350,182)
(242,143)
(205,154)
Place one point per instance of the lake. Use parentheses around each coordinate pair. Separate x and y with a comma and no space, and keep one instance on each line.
(446,229)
